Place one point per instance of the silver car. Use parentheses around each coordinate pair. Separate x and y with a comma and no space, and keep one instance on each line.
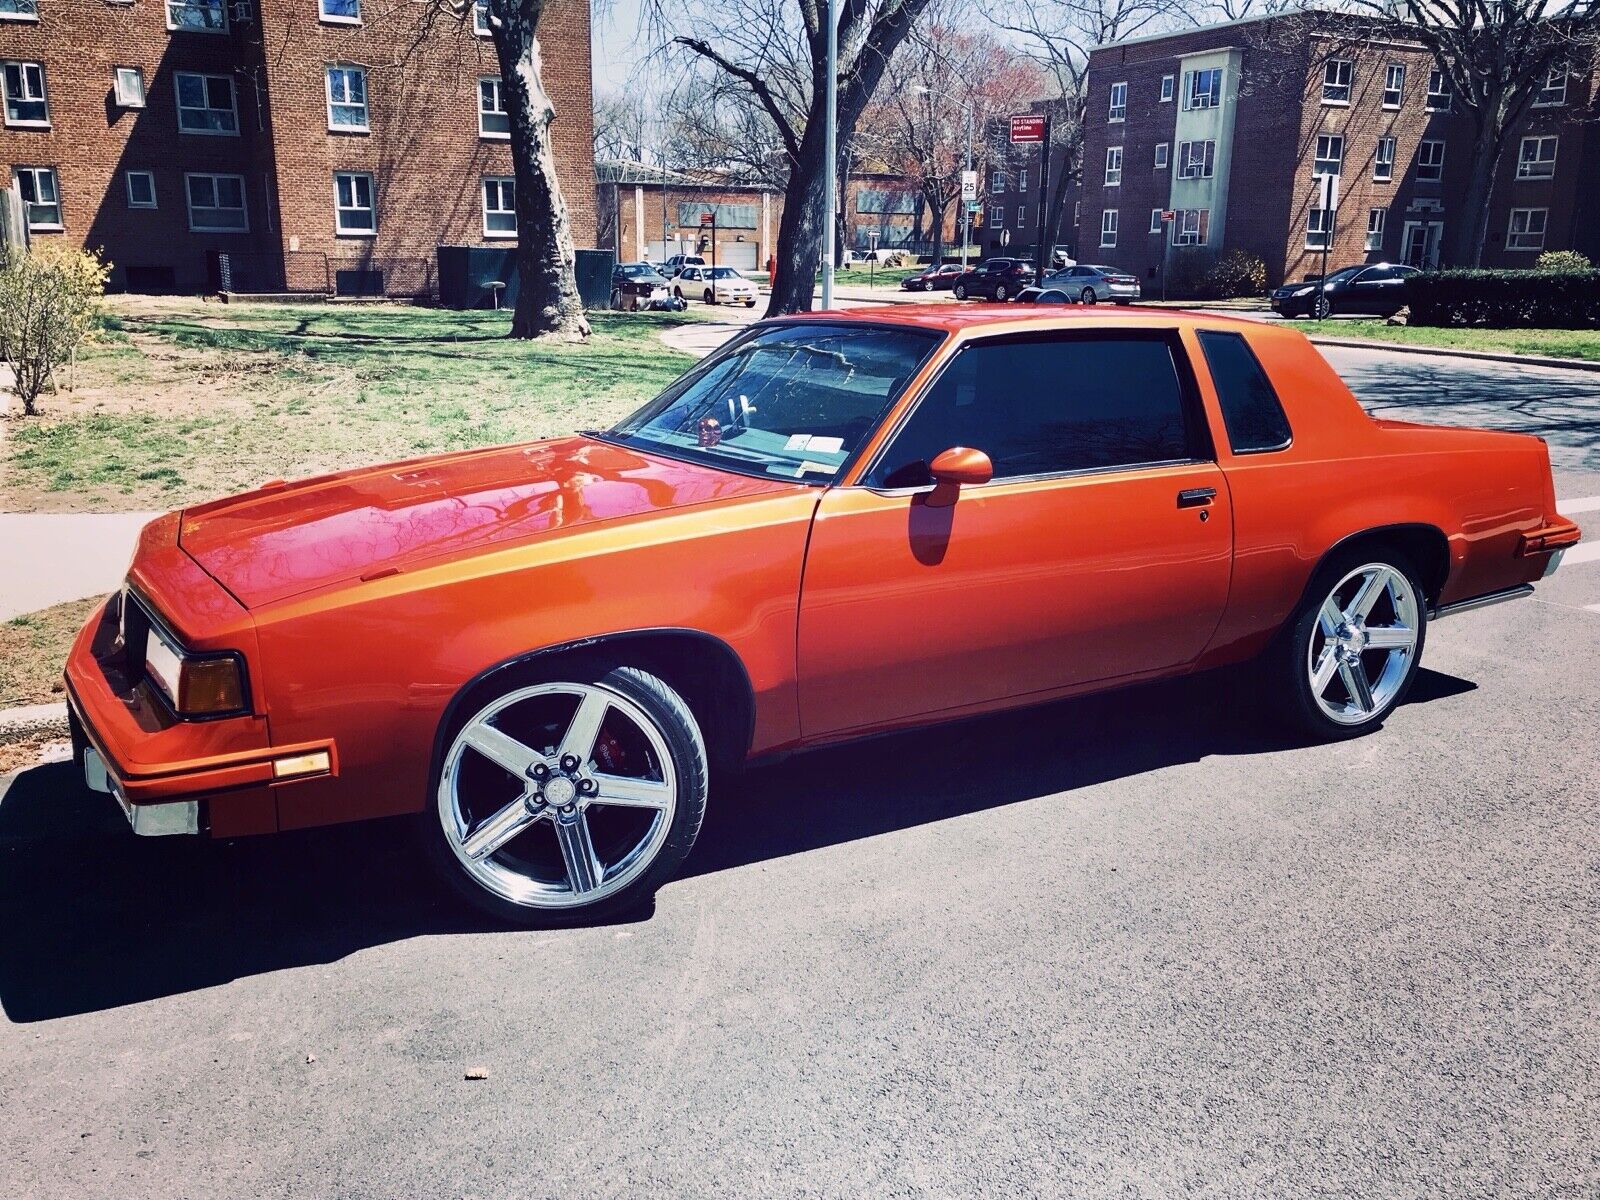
(1085,283)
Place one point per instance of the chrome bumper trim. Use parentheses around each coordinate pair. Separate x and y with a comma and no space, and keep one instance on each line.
(1484,601)
(1553,562)
(146,820)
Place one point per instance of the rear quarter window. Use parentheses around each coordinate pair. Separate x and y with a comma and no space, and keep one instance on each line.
(1250,407)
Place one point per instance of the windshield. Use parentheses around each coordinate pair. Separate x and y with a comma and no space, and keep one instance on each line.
(791,400)
(635,270)
(1346,274)
(725,273)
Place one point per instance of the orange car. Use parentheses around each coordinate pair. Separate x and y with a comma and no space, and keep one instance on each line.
(837,524)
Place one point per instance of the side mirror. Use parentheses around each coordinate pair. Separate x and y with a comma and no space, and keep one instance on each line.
(954,467)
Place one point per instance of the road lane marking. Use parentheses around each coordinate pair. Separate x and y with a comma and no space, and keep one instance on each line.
(1579,504)
(1581,553)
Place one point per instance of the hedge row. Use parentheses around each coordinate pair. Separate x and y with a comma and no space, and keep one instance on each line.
(1506,299)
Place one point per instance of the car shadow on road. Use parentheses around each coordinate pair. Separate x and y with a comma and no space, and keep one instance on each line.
(93,918)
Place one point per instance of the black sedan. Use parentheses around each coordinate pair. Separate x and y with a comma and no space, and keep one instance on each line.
(994,279)
(638,285)
(939,278)
(1376,289)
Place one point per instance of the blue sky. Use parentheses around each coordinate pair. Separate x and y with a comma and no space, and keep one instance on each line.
(615,44)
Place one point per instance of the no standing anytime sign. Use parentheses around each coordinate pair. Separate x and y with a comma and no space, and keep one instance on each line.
(1027,128)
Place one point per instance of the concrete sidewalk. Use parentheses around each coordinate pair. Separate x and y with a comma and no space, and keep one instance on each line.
(49,558)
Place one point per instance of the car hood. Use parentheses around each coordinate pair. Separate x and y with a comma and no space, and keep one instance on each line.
(285,539)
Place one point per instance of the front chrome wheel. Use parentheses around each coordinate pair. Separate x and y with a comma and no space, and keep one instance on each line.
(1361,653)
(558,795)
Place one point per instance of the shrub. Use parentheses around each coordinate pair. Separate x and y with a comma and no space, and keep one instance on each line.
(1188,270)
(1561,260)
(49,298)
(1506,299)
(1236,273)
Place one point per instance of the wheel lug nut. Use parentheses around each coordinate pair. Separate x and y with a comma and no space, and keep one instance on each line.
(567,808)
(569,762)
(586,786)
(540,771)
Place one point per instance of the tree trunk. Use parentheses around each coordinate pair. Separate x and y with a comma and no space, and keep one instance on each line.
(548,303)
(1472,226)
(800,230)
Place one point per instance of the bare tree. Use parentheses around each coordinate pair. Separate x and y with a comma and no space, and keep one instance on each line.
(943,77)
(622,129)
(777,51)
(711,122)
(1497,56)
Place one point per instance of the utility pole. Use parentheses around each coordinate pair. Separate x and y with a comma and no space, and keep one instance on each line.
(966,206)
(1044,196)
(831,150)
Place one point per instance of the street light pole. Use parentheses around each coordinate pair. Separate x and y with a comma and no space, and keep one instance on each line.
(831,149)
(966,209)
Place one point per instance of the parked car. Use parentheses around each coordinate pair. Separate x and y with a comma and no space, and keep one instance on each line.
(829,528)
(675,265)
(994,279)
(639,285)
(1378,289)
(1083,284)
(940,277)
(715,285)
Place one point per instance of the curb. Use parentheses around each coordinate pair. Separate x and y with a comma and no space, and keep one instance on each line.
(1526,360)
(33,720)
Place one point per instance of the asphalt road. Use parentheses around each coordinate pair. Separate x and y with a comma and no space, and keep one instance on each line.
(1131,946)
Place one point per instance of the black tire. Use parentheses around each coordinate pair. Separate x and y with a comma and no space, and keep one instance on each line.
(709,298)
(1088,297)
(681,734)
(678,292)
(616,299)
(1321,308)
(1290,689)
(961,291)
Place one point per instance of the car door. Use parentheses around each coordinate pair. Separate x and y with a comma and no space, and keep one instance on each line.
(1100,549)
(1376,290)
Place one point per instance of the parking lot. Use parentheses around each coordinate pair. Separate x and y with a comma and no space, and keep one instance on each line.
(1136,945)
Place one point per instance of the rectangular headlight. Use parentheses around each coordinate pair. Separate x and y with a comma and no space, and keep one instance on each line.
(195,685)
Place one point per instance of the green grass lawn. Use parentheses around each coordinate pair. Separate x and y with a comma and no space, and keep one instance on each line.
(183,400)
(860,275)
(1556,343)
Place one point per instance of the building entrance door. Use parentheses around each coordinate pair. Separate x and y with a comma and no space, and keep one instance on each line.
(1419,244)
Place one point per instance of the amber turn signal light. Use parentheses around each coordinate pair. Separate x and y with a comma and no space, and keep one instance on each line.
(210,685)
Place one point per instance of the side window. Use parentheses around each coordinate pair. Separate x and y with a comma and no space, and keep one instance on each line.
(1250,407)
(1048,406)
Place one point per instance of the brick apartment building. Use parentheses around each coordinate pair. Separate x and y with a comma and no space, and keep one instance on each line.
(1230,127)
(1009,189)
(647,213)
(320,145)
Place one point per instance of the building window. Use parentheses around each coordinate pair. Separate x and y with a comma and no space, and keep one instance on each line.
(1163,154)
(1553,92)
(1394,84)
(128,87)
(1022,179)
(480,18)
(1526,231)
(41,198)
(353,210)
(492,119)
(201,16)
(1430,162)
(1375,222)
(340,12)
(347,99)
(1196,160)
(997,217)
(1336,76)
(1318,222)
(1439,91)
(141,189)
(1169,84)
(499,207)
(26,105)
(1022,215)
(1108,228)
(1190,227)
(216,203)
(206,104)
(1537,158)
(997,182)
(1113,166)
(1205,89)
(1330,155)
(1155,220)
(1383,161)
(19,10)
(1118,109)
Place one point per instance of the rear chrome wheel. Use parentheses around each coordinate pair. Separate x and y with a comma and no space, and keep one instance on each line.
(566,798)
(1355,645)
